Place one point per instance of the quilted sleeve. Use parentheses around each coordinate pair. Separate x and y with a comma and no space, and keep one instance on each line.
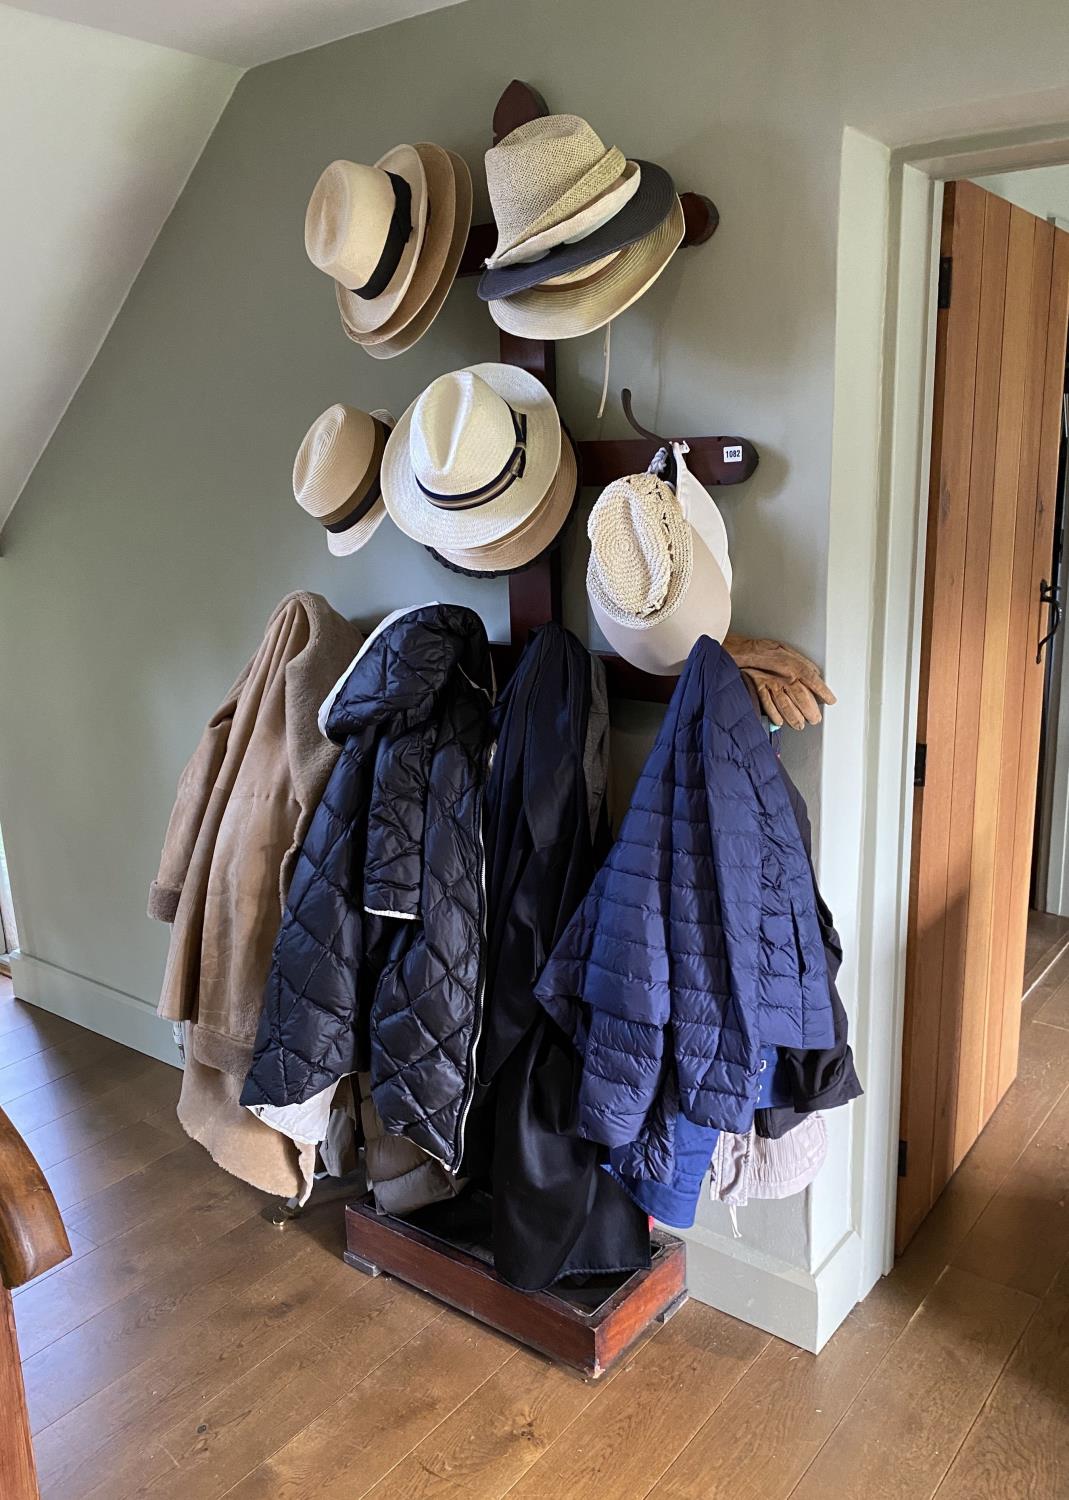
(306,1040)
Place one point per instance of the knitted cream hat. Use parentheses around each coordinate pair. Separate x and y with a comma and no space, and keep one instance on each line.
(550,181)
(653,585)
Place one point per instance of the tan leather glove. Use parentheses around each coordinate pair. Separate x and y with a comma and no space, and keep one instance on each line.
(789,686)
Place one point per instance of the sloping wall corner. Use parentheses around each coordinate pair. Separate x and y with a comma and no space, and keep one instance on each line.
(100,135)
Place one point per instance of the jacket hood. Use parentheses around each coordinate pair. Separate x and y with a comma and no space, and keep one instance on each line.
(400,673)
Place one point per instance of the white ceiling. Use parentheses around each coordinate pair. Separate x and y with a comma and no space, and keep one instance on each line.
(245,32)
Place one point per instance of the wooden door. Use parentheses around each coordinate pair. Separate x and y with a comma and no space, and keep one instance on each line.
(1000,353)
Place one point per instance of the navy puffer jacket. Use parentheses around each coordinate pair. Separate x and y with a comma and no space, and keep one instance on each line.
(699,941)
(378,962)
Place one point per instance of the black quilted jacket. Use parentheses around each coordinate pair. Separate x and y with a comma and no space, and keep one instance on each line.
(378,963)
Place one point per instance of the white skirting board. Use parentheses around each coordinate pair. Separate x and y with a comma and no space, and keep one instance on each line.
(95,1006)
(802,1307)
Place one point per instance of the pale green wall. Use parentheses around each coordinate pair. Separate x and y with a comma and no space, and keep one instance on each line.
(158,530)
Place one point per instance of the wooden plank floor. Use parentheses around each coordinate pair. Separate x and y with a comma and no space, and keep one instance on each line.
(191,1350)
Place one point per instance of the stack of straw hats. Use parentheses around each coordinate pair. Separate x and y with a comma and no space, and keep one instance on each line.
(659,574)
(582,231)
(480,470)
(391,237)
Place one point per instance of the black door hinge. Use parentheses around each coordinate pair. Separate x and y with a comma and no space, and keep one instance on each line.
(920,765)
(946,272)
(903,1153)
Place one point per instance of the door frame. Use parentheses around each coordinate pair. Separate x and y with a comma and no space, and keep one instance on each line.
(887,269)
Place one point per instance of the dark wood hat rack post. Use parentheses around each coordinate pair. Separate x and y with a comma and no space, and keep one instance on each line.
(571,1327)
(535,594)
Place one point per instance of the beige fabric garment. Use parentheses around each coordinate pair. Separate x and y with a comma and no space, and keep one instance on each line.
(244,804)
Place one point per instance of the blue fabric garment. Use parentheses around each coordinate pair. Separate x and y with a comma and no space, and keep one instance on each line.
(699,941)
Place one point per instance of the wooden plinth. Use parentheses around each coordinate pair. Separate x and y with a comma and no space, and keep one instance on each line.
(588,1338)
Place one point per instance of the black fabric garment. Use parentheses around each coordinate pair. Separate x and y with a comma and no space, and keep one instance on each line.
(556,1211)
(817,1078)
(378,963)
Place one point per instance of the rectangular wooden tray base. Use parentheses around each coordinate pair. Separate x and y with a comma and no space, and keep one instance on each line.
(589,1338)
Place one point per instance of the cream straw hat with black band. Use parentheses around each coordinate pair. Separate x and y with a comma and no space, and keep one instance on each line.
(449,201)
(473,457)
(336,475)
(364,227)
(530,540)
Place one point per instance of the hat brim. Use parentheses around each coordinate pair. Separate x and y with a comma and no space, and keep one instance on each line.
(413,327)
(529,541)
(365,314)
(585,221)
(345,543)
(650,206)
(568,311)
(424,522)
(661,646)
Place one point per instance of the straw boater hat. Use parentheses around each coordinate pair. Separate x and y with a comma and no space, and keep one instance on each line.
(654,586)
(533,538)
(336,475)
(449,198)
(473,458)
(552,181)
(568,307)
(364,227)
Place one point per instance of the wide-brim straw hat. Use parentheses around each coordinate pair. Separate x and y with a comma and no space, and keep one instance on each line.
(654,587)
(473,457)
(336,475)
(543,174)
(355,232)
(598,211)
(534,537)
(449,193)
(568,310)
(649,206)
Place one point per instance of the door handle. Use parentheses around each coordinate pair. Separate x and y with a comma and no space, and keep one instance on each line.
(1048,594)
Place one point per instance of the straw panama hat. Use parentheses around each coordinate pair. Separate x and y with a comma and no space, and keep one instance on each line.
(654,586)
(534,537)
(364,227)
(449,195)
(648,208)
(473,457)
(551,180)
(336,475)
(419,309)
(577,307)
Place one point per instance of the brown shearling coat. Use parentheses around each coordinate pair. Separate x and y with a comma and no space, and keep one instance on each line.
(244,804)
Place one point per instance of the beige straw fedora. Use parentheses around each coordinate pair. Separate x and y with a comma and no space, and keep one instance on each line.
(449,201)
(551,181)
(336,475)
(580,305)
(450,192)
(364,227)
(473,457)
(653,584)
(534,537)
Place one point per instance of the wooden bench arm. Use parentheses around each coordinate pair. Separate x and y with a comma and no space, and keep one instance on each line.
(32,1236)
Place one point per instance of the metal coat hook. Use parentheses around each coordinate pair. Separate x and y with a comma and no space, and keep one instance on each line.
(625,402)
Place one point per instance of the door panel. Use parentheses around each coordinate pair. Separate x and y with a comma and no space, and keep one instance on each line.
(999,349)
